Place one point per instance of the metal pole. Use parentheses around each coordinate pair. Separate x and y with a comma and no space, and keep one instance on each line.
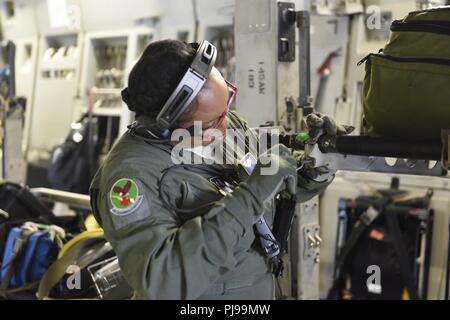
(303,25)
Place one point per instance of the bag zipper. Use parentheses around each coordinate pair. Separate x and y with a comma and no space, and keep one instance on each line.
(445,62)
(439,27)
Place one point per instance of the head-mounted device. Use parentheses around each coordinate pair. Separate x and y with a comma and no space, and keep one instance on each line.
(187,90)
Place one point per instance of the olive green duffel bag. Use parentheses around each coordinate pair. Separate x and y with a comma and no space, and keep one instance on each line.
(407,85)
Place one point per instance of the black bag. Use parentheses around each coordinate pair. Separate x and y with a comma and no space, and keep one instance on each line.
(18,206)
(18,203)
(74,163)
(391,240)
(405,94)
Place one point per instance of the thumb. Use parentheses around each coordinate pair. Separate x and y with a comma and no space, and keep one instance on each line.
(345,130)
(349,129)
(291,184)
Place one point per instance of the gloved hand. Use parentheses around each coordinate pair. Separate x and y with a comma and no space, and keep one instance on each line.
(276,172)
(318,125)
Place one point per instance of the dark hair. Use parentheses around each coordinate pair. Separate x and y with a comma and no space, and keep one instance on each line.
(156,75)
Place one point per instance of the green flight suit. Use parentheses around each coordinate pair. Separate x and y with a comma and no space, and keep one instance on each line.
(179,236)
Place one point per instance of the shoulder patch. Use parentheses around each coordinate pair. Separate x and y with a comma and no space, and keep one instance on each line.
(124,197)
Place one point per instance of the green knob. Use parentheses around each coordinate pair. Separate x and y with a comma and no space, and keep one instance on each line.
(303,137)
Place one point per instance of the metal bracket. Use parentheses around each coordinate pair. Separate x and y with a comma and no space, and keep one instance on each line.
(305,251)
(312,241)
(372,164)
(287,17)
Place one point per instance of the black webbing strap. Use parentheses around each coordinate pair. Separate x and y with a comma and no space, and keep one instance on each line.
(284,217)
(364,222)
(400,248)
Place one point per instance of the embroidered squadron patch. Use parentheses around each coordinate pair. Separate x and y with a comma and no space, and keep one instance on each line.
(124,197)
